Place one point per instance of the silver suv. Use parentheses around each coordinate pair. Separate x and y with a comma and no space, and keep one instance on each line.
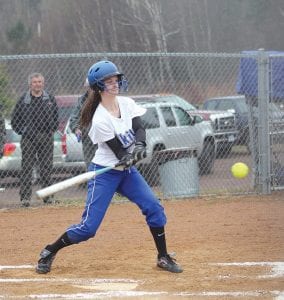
(223,123)
(168,125)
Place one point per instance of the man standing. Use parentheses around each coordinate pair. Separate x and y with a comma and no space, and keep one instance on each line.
(89,148)
(35,117)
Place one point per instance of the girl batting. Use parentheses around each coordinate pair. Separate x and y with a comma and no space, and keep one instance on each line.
(117,129)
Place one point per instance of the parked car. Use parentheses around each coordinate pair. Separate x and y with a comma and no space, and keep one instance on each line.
(168,125)
(225,129)
(10,164)
(66,104)
(222,121)
(72,148)
(235,104)
(238,105)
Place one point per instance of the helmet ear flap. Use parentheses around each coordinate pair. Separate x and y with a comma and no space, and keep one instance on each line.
(96,88)
(98,85)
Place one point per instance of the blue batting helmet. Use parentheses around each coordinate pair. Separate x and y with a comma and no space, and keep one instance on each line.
(102,70)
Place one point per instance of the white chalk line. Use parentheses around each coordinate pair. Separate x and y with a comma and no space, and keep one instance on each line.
(87,281)
(277,270)
(126,293)
(16,267)
(278,295)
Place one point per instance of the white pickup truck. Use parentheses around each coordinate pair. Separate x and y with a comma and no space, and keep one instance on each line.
(224,126)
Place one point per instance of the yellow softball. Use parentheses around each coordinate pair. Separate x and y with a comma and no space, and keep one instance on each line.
(239,170)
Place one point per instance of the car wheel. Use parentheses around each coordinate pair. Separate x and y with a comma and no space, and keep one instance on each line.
(207,158)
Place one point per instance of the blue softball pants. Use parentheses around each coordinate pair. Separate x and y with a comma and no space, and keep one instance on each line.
(129,183)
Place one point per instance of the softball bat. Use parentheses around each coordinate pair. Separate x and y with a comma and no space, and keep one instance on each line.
(65,184)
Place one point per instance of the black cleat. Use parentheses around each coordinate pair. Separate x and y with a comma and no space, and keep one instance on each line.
(169,264)
(45,261)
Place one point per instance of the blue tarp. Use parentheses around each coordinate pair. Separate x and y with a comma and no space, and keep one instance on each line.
(247,83)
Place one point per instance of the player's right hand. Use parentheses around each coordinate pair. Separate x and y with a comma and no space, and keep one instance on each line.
(127,161)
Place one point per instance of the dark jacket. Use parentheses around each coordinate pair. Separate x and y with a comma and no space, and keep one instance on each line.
(33,115)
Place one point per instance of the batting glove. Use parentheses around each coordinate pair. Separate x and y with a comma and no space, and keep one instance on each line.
(139,151)
(127,161)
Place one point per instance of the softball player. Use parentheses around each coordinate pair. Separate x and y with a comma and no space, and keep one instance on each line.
(117,129)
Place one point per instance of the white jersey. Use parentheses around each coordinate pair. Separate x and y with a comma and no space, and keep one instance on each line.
(105,127)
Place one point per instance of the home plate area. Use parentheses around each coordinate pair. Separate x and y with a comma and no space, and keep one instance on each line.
(47,287)
(230,248)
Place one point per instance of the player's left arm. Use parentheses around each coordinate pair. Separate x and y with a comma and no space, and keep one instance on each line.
(139,151)
(126,159)
(138,128)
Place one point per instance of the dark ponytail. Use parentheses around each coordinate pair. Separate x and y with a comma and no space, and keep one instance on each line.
(90,106)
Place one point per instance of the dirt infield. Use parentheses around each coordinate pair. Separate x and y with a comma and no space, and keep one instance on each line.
(229,248)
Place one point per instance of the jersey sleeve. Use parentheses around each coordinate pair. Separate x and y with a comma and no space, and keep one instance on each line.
(101,132)
(135,109)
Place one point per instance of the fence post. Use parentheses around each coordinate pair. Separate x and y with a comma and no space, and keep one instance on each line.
(263,122)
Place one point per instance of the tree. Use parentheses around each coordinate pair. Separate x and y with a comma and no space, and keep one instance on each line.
(6,101)
(19,36)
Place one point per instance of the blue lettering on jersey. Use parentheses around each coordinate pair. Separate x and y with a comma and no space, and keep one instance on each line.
(127,138)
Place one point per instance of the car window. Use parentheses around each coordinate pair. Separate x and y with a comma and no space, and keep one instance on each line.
(242,106)
(225,105)
(183,118)
(168,116)
(150,119)
(12,136)
(57,136)
(180,101)
(212,104)
(198,119)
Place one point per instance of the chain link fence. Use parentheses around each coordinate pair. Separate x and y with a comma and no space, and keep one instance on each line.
(230,117)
